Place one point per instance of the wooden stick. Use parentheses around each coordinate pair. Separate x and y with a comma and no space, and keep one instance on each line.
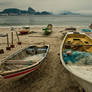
(17,37)
(43,36)
(12,38)
(7,40)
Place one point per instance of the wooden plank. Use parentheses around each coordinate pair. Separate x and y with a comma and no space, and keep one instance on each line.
(20,62)
(76,45)
(44,36)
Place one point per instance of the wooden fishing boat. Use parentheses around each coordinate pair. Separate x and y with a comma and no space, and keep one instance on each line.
(48,29)
(25,30)
(76,56)
(23,62)
(71,28)
(90,26)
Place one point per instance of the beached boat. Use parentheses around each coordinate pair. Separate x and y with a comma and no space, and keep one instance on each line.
(90,26)
(71,28)
(25,30)
(76,56)
(86,30)
(48,29)
(23,62)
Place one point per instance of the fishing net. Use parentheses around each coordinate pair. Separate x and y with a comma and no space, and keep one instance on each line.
(86,30)
(77,57)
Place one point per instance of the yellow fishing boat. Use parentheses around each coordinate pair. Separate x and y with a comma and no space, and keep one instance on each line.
(76,56)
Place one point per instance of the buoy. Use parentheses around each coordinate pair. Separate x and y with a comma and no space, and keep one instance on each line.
(68,52)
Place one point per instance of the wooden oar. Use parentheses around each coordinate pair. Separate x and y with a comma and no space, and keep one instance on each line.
(20,62)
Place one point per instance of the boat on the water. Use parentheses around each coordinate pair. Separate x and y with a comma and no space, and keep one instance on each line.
(76,57)
(23,62)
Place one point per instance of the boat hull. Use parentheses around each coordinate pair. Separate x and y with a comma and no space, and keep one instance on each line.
(19,75)
(84,84)
(87,86)
(15,75)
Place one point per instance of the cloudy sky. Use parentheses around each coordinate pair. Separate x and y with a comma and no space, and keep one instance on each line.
(83,6)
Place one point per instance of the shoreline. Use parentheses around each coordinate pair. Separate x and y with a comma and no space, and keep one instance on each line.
(19,26)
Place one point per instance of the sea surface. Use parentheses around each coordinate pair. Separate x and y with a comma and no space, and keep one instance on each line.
(71,20)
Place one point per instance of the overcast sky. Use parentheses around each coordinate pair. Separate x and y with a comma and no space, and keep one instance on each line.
(83,6)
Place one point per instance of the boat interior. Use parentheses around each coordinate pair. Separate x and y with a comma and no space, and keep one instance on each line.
(80,47)
(27,57)
(80,61)
(79,42)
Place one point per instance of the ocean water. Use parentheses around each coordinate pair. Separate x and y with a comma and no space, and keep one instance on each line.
(71,20)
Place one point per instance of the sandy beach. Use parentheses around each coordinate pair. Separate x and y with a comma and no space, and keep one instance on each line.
(51,76)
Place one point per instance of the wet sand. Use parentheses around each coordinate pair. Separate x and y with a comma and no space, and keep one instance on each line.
(51,76)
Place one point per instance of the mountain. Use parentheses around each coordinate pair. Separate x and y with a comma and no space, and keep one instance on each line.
(43,13)
(30,11)
(46,13)
(11,10)
(68,13)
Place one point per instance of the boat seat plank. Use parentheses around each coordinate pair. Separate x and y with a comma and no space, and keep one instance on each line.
(19,62)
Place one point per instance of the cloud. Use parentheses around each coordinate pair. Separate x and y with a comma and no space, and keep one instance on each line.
(2,3)
(23,4)
(49,5)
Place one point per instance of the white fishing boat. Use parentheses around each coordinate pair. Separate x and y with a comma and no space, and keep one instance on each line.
(23,62)
(76,57)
